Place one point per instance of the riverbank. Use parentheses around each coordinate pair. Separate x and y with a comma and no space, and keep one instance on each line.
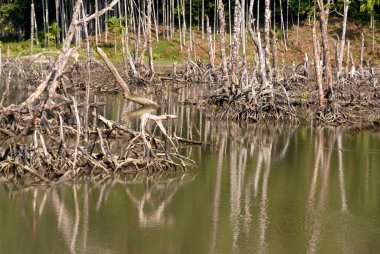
(166,51)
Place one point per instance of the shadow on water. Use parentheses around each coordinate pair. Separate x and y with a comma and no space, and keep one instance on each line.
(256,189)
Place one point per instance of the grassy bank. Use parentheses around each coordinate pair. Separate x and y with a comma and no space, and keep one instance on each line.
(167,51)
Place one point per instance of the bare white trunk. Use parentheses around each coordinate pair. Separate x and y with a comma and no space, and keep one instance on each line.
(317,66)
(209,45)
(267,37)
(323,15)
(222,30)
(149,34)
(235,47)
(362,51)
(346,4)
(31,28)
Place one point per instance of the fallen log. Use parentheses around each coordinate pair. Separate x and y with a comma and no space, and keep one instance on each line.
(127,94)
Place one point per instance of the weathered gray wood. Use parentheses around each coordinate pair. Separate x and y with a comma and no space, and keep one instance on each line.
(323,15)
(267,37)
(149,36)
(346,4)
(222,33)
(209,45)
(317,66)
(127,94)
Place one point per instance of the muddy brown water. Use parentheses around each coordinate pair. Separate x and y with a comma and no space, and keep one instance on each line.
(256,189)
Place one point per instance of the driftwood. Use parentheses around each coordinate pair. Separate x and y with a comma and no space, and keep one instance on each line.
(127,94)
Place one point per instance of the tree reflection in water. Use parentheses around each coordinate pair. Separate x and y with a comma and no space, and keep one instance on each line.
(71,206)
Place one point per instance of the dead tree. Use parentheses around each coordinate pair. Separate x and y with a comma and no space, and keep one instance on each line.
(317,66)
(209,45)
(235,48)
(149,35)
(31,27)
(346,4)
(127,94)
(222,31)
(267,37)
(323,15)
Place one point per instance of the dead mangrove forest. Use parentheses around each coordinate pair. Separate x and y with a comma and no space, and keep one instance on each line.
(52,136)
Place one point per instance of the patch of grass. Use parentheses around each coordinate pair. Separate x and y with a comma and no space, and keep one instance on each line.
(22,48)
(304,97)
(166,50)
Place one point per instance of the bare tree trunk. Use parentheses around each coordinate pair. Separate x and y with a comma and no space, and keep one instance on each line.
(346,4)
(106,24)
(155,20)
(274,47)
(57,19)
(203,19)
(235,48)
(209,45)
(373,30)
(184,22)
(326,54)
(267,37)
(129,57)
(149,34)
(347,56)
(190,31)
(361,51)
(31,27)
(244,79)
(88,78)
(222,30)
(283,25)
(229,21)
(35,25)
(317,66)
(96,24)
(287,19)
(258,16)
(47,20)
(179,24)
(257,41)
(44,20)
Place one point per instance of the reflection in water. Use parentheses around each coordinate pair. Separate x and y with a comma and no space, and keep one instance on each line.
(341,175)
(216,202)
(258,189)
(151,211)
(69,214)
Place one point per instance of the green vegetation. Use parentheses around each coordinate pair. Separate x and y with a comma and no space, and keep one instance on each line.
(15,14)
(166,50)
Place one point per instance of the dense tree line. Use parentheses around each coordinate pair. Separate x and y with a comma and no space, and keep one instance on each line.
(52,16)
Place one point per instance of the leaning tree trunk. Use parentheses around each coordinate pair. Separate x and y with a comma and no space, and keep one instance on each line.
(127,94)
